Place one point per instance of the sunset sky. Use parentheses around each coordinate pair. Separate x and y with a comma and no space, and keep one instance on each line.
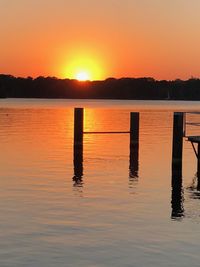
(108,38)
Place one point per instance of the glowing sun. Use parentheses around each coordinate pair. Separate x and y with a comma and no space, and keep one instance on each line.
(82,76)
(83,68)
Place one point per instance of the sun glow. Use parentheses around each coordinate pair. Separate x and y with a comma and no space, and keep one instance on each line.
(83,68)
(82,76)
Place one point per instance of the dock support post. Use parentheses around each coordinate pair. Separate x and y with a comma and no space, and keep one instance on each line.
(78,126)
(178,132)
(78,144)
(134,144)
(177,155)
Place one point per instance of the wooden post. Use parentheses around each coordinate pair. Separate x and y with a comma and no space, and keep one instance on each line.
(177,154)
(134,127)
(78,125)
(134,144)
(78,144)
(178,132)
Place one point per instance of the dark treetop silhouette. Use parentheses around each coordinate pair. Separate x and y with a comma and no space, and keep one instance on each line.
(111,88)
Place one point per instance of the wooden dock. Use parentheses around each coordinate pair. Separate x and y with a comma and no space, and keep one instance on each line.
(179,134)
(196,140)
(79,138)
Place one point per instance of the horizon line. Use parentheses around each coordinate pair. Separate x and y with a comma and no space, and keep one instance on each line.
(98,80)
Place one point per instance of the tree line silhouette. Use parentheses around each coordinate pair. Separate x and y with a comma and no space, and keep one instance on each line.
(111,88)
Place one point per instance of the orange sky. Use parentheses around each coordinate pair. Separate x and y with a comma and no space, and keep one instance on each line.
(157,38)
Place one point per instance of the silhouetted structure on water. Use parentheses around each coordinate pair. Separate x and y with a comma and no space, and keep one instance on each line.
(179,131)
(78,144)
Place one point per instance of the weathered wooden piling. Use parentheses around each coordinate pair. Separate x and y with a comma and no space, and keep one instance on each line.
(134,144)
(78,143)
(177,155)
(134,127)
(178,133)
(78,125)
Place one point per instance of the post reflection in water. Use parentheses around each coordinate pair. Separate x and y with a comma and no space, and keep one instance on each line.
(78,165)
(194,188)
(198,183)
(134,161)
(133,165)
(177,191)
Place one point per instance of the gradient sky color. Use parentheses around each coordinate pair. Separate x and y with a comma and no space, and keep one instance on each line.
(126,38)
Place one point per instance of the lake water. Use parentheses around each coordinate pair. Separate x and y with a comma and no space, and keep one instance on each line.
(111,217)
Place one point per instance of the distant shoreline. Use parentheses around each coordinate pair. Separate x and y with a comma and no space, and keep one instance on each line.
(120,99)
(110,89)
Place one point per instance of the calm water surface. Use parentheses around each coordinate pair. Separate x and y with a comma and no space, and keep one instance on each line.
(112,217)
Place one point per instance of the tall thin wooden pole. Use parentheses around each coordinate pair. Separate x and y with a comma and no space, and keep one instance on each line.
(78,125)
(134,144)
(134,127)
(177,155)
(78,144)
(178,133)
